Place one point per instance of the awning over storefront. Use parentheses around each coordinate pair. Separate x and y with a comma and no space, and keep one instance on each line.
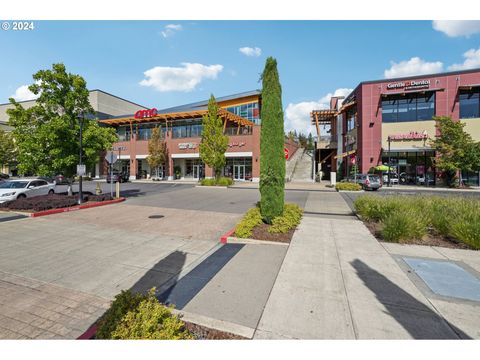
(404,92)
(347,106)
(348,153)
(468,87)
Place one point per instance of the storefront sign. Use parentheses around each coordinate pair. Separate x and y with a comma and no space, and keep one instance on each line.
(409,85)
(412,135)
(140,114)
(184,146)
(239,144)
(119,148)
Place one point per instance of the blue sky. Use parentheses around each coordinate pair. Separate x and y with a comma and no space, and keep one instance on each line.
(186,61)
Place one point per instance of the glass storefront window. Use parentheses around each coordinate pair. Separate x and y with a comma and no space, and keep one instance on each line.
(186,129)
(410,167)
(470,104)
(238,168)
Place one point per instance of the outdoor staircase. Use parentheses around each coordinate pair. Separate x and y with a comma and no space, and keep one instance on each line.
(303,167)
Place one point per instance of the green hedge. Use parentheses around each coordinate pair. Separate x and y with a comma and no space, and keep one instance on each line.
(405,218)
(348,186)
(290,219)
(223,181)
(137,316)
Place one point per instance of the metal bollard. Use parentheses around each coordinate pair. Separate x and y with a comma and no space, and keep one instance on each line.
(117,189)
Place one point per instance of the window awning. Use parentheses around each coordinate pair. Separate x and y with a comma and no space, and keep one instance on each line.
(468,87)
(348,153)
(411,91)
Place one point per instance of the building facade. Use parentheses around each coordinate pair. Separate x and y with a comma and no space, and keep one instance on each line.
(391,120)
(182,129)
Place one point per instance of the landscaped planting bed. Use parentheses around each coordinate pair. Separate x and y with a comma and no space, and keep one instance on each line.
(47,202)
(346,186)
(281,230)
(425,220)
(223,181)
(135,316)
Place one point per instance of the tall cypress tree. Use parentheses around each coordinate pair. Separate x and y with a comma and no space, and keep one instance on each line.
(272,156)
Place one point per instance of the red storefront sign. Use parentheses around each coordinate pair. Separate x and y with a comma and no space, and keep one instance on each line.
(412,135)
(140,114)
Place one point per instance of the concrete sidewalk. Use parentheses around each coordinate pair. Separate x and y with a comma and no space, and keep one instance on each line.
(338,282)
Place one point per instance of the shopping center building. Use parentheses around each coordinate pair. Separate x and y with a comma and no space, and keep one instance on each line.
(392,120)
(182,129)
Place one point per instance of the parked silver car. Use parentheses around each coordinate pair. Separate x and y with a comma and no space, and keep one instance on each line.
(369,181)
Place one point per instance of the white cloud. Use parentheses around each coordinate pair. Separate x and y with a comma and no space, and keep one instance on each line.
(414,66)
(248,51)
(454,28)
(23,94)
(297,115)
(171,29)
(185,78)
(472,61)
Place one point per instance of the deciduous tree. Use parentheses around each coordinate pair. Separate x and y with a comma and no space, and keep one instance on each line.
(7,148)
(47,134)
(157,150)
(456,149)
(214,143)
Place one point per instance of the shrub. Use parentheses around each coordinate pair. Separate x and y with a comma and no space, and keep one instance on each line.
(137,316)
(251,219)
(151,320)
(467,232)
(292,214)
(223,181)
(403,226)
(348,186)
(124,302)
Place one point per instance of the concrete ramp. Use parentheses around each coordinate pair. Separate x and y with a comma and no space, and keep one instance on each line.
(303,168)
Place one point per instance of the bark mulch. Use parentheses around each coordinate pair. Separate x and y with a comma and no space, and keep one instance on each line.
(260,232)
(430,239)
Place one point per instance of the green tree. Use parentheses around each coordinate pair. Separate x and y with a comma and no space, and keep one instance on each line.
(214,143)
(272,159)
(7,148)
(457,150)
(157,150)
(310,143)
(302,139)
(47,134)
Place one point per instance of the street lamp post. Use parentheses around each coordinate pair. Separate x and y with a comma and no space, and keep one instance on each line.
(388,170)
(80,189)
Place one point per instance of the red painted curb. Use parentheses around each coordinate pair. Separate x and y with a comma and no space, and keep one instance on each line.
(74,208)
(87,335)
(223,238)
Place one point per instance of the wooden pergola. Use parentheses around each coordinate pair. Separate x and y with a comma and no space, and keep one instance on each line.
(224,114)
(322,117)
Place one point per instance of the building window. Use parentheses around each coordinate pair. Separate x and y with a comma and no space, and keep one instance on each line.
(412,107)
(248,111)
(351,118)
(187,129)
(470,104)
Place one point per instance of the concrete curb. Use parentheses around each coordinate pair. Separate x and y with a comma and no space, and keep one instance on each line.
(224,237)
(89,334)
(75,208)
(211,187)
(215,324)
(236,240)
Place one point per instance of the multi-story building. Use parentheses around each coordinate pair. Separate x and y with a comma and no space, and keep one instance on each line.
(392,120)
(182,129)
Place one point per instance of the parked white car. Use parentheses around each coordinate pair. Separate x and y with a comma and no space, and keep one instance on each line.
(21,188)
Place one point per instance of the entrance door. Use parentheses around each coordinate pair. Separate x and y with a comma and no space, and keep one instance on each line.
(196,172)
(239,172)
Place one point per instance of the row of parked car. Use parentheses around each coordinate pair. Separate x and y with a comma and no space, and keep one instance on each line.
(22,188)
